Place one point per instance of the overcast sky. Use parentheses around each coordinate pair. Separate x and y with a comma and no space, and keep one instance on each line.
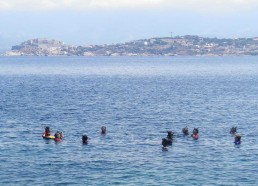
(87,22)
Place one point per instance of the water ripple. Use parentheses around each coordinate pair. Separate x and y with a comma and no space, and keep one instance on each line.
(137,108)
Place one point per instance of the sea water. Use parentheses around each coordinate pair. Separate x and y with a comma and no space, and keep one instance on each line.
(138,99)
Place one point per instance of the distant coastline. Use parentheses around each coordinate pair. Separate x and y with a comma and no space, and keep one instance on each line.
(167,46)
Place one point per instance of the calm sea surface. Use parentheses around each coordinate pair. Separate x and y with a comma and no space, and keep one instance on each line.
(138,99)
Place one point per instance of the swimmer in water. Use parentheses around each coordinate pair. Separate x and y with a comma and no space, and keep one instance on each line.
(237,139)
(61,135)
(233,130)
(170,137)
(185,131)
(47,131)
(58,136)
(165,144)
(170,134)
(84,139)
(103,130)
(195,134)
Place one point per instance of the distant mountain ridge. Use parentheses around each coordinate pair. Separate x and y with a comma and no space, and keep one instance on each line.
(167,46)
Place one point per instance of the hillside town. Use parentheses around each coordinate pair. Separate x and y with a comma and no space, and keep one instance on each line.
(167,46)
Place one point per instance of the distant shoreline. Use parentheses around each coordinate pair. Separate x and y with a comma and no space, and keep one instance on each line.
(167,46)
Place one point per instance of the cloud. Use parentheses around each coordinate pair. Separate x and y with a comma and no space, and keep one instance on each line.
(75,4)
(193,5)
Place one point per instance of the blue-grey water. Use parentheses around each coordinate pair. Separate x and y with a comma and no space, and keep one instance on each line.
(138,99)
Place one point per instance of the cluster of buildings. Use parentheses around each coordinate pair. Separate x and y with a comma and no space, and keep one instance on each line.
(167,46)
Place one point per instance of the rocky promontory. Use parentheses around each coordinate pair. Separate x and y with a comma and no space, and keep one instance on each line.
(168,46)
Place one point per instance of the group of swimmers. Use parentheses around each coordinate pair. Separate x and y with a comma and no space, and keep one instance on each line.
(195,135)
(165,141)
(169,139)
(85,137)
(58,137)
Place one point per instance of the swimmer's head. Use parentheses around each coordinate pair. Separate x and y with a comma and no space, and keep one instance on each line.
(237,137)
(185,131)
(103,130)
(195,131)
(233,130)
(170,134)
(57,135)
(84,139)
(47,129)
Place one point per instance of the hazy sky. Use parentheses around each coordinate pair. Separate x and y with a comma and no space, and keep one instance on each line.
(112,21)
